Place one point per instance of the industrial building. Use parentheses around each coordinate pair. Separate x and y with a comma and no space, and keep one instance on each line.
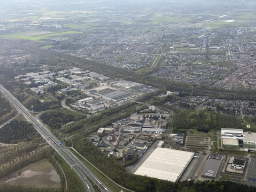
(150,127)
(249,139)
(166,164)
(101,132)
(160,144)
(178,137)
(231,137)
(133,127)
(212,166)
(238,163)
(227,133)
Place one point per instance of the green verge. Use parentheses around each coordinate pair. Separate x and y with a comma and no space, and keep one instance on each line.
(47,47)
(104,179)
(75,184)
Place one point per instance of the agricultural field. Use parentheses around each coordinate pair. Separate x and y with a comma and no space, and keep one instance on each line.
(198,142)
(39,36)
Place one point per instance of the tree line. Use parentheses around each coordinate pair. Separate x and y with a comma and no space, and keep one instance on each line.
(103,118)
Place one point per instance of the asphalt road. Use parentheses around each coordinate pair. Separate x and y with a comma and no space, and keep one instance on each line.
(9,121)
(192,167)
(68,156)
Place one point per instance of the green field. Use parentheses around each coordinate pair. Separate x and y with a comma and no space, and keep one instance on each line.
(157,18)
(47,47)
(76,26)
(218,24)
(37,37)
(183,49)
(247,15)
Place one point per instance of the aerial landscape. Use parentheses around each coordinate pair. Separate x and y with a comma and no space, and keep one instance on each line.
(127,96)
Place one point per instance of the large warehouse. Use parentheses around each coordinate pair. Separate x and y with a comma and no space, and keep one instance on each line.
(165,163)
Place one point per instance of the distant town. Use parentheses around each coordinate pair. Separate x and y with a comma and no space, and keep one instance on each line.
(121,96)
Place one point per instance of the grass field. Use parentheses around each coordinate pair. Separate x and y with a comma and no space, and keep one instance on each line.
(47,47)
(237,178)
(218,24)
(156,19)
(76,26)
(37,37)
(247,15)
(183,49)
(230,147)
(40,174)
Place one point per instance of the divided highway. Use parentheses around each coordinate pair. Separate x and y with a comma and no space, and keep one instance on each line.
(68,156)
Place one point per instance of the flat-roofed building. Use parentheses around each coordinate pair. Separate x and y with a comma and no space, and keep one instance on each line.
(165,163)
(238,163)
(149,127)
(230,141)
(232,133)
(101,132)
(249,139)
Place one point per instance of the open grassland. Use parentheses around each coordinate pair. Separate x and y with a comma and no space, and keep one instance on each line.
(37,37)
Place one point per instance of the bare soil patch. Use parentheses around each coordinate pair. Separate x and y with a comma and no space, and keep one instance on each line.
(40,175)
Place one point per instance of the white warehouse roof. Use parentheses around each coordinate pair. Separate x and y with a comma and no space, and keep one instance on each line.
(165,163)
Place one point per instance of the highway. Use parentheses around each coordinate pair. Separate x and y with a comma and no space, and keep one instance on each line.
(82,171)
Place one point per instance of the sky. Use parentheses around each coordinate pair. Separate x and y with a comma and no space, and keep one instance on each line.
(120,3)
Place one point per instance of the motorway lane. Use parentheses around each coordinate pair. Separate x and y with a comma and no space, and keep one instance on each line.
(69,157)
(85,169)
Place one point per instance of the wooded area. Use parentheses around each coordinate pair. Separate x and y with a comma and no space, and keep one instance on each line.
(55,119)
(42,106)
(17,130)
(7,111)
(203,120)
